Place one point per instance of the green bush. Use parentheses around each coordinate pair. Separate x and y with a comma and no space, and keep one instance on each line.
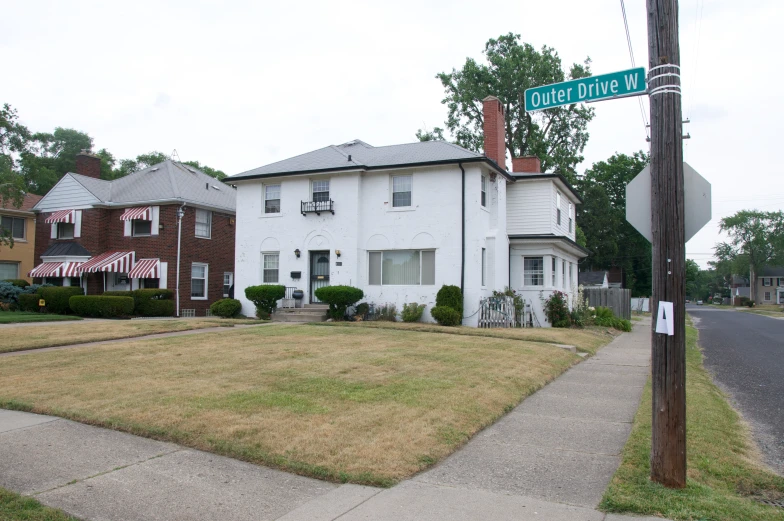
(28,302)
(605,318)
(362,309)
(556,310)
(265,298)
(446,316)
(153,302)
(19,283)
(412,312)
(339,298)
(226,307)
(450,296)
(57,298)
(157,308)
(9,293)
(101,306)
(118,294)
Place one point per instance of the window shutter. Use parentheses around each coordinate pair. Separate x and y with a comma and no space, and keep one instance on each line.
(127,229)
(54,231)
(156,213)
(77,223)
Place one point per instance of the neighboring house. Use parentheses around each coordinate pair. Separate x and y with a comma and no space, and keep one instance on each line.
(739,287)
(770,285)
(139,231)
(593,279)
(401,221)
(19,223)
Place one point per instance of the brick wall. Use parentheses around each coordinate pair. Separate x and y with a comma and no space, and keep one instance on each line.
(102,231)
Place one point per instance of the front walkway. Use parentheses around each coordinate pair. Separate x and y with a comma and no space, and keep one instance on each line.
(549,459)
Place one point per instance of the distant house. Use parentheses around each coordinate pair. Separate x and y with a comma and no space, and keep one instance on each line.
(167,226)
(770,286)
(18,223)
(593,279)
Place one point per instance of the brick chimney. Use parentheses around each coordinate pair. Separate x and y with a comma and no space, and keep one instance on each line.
(88,164)
(527,164)
(494,130)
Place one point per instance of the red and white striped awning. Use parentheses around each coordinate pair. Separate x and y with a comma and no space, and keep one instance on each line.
(72,269)
(146,269)
(114,261)
(47,269)
(63,216)
(143,213)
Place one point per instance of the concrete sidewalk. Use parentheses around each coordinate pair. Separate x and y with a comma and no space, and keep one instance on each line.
(549,459)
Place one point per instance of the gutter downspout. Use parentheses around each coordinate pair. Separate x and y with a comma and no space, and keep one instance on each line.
(462,227)
(180,213)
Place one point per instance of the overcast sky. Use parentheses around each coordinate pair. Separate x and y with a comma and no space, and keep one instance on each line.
(237,85)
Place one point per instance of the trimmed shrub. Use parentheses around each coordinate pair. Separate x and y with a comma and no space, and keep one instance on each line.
(412,312)
(19,283)
(339,298)
(9,293)
(118,294)
(157,308)
(450,296)
(556,310)
(154,302)
(28,302)
(446,316)
(226,307)
(57,298)
(363,309)
(101,306)
(265,298)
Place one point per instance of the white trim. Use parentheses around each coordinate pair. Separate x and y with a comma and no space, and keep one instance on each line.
(164,275)
(156,220)
(196,224)
(127,229)
(77,224)
(206,279)
(392,192)
(270,253)
(264,199)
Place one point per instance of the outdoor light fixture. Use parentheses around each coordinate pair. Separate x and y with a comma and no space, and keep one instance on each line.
(297,252)
(337,252)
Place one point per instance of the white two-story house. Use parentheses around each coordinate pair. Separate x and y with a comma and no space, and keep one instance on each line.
(400,221)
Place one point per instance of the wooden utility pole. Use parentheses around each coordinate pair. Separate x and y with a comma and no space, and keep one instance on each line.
(668,450)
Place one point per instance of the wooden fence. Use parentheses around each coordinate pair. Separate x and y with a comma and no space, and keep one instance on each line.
(497,312)
(617,299)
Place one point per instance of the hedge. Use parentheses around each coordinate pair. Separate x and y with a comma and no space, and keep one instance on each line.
(265,298)
(339,299)
(446,316)
(28,302)
(450,296)
(19,283)
(153,302)
(226,307)
(57,298)
(101,306)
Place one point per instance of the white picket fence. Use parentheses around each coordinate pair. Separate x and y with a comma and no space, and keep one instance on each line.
(497,312)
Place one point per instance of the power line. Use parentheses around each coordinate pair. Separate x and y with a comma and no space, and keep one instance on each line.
(631,55)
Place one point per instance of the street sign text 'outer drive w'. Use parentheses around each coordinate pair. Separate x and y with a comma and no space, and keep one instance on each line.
(592,88)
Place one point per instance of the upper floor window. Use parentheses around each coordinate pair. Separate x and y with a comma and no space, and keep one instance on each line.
(767,282)
(140,228)
(484,190)
(320,191)
(558,207)
(533,271)
(570,217)
(401,191)
(402,267)
(270,265)
(13,226)
(65,230)
(271,198)
(203,224)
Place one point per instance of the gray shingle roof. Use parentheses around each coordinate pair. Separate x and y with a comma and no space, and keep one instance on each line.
(772,271)
(591,277)
(59,249)
(364,156)
(165,181)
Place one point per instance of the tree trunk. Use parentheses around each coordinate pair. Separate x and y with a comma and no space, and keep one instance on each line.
(752,285)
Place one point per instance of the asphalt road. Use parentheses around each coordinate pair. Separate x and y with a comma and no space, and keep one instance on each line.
(745,354)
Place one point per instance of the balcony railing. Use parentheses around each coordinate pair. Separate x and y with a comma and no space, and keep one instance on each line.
(318,206)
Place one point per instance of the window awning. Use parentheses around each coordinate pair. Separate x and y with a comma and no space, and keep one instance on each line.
(114,261)
(47,269)
(143,213)
(72,269)
(62,216)
(146,269)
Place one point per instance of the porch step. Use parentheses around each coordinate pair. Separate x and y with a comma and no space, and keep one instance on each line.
(315,306)
(317,314)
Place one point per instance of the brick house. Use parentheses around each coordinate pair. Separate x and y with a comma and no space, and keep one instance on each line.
(139,231)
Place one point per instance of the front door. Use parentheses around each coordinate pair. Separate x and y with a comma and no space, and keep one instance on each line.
(319,272)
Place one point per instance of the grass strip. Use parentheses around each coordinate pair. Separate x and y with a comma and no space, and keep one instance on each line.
(14,507)
(586,340)
(724,477)
(14,317)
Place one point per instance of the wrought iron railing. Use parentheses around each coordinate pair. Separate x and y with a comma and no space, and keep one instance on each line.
(318,206)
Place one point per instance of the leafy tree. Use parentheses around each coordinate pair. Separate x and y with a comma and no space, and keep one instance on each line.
(14,139)
(557,136)
(50,156)
(217,174)
(692,273)
(142,161)
(437,134)
(756,239)
(602,217)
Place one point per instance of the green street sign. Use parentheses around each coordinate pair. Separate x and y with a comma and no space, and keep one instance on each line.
(592,88)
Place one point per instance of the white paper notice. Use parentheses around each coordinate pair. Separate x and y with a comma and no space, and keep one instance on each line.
(665,322)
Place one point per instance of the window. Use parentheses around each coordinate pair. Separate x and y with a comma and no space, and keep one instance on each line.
(141,228)
(570,217)
(552,273)
(484,265)
(149,283)
(767,295)
(199,281)
(228,282)
(780,282)
(402,267)
(203,224)
(270,263)
(9,270)
(271,198)
(533,271)
(767,282)
(320,191)
(65,230)
(558,207)
(13,226)
(401,191)
(484,190)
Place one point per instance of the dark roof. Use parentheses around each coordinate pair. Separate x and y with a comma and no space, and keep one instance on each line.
(772,271)
(591,277)
(586,251)
(61,249)
(27,203)
(358,155)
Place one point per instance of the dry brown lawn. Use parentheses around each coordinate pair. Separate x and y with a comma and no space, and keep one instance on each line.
(365,405)
(20,338)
